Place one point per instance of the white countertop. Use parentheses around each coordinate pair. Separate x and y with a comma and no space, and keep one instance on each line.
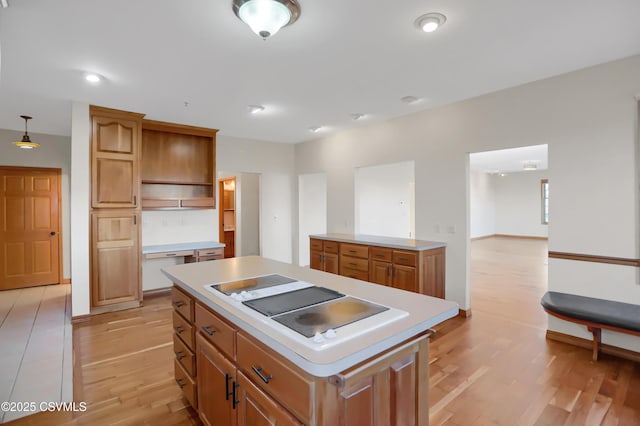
(198,245)
(424,311)
(376,240)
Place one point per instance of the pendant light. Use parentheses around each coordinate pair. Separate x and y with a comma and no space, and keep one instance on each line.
(26,143)
(266,17)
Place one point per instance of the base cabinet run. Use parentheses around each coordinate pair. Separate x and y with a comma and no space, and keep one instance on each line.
(240,381)
(420,271)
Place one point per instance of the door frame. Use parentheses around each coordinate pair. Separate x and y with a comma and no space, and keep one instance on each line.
(58,173)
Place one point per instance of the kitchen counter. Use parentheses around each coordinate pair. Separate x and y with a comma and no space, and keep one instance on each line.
(165,248)
(424,312)
(391,242)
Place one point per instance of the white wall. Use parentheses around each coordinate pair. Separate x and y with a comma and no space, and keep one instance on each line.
(248,214)
(518,207)
(589,120)
(384,200)
(312,211)
(54,152)
(481,205)
(179,226)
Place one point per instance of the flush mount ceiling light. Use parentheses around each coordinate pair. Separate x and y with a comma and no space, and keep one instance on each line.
(430,22)
(92,78)
(254,109)
(357,116)
(266,17)
(315,129)
(26,143)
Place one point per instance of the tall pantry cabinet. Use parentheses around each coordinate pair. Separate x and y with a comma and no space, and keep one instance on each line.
(116,281)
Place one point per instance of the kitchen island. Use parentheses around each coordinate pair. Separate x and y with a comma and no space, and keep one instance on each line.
(235,364)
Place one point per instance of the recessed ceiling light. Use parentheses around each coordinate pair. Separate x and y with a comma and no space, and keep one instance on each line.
(92,78)
(409,99)
(357,116)
(315,129)
(430,22)
(254,109)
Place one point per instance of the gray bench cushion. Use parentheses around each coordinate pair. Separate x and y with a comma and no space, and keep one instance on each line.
(606,312)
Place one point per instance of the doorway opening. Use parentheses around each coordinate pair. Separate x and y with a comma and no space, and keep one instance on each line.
(227,215)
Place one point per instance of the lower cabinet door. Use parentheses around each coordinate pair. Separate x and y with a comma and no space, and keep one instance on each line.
(404,278)
(216,385)
(256,408)
(331,263)
(380,272)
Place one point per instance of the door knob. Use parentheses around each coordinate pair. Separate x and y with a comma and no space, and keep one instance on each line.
(52,233)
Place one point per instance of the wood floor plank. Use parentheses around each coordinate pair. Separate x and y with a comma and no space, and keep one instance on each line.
(494,368)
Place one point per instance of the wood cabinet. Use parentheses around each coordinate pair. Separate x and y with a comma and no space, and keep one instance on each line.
(178,166)
(241,381)
(185,365)
(115,257)
(421,271)
(115,148)
(203,255)
(324,256)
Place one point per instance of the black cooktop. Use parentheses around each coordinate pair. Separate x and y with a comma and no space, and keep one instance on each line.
(289,301)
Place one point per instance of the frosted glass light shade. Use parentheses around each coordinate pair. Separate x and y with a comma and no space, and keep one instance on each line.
(265,17)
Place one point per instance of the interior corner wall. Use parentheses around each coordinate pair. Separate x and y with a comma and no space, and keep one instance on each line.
(274,162)
(54,152)
(587,118)
(482,205)
(518,204)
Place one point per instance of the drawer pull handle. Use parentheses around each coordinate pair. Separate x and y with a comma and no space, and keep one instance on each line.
(207,329)
(179,304)
(264,378)
(379,255)
(226,386)
(179,329)
(179,355)
(404,259)
(210,253)
(352,251)
(170,254)
(234,401)
(353,264)
(181,383)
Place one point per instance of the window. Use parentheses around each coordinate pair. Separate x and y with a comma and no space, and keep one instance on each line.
(544,198)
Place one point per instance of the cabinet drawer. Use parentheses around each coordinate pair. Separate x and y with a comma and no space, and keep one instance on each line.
(355,263)
(275,377)
(182,303)
(180,253)
(354,250)
(380,253)
(216,331)
(354,273)
(316,245)
(184,355)
(406,258)
(183,329)
(211,252)
(208,258)
(186,383)
(331,247)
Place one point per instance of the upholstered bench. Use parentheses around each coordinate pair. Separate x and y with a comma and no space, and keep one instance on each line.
(595,314)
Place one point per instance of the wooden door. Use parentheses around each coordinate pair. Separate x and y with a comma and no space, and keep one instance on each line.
(216,385)
(257,409)
(380,272)
(404,278)
(29,227)
(115,260)
(331,263)
(115,141)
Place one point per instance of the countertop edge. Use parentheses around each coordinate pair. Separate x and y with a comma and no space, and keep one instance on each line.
(422,245)
(317,370)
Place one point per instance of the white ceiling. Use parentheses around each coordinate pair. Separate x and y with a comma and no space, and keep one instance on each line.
(341,57)
(509,160)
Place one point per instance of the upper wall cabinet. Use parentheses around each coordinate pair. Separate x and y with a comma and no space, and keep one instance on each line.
(115,148)
(178,166)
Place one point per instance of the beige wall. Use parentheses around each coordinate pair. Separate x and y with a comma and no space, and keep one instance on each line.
(589,120)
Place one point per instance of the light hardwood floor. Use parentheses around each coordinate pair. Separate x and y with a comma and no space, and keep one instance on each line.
(495,368)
